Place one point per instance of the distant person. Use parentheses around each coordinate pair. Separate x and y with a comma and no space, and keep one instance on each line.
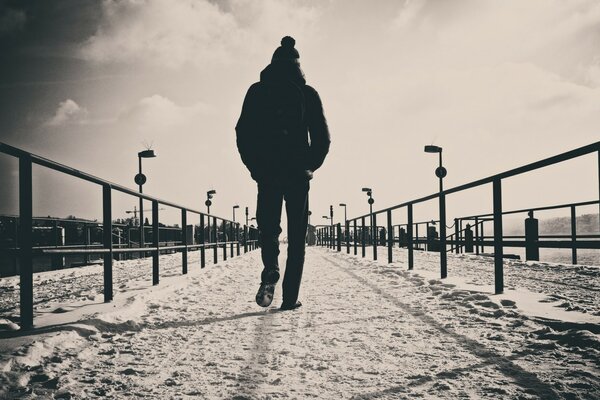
(279,115)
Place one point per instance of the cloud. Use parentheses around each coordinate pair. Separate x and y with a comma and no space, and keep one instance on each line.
(157,112)
(68,111)
(175,33)
(11,20)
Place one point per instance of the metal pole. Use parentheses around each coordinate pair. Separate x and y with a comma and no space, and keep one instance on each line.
(573,235)
(155,241)
(477,235)
(237,238)
(202,239)
(184,252)
(232,238)
(107,240)
(374,219)
(443,255)
(339,236)
(347,229)
(142,239)
(362,237)
(354,241)
(456,236)
(225,240)
(390,237)
(409,236)
(26,241)
(215,242)
(498,249)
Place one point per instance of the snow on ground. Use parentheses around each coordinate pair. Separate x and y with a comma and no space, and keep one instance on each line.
(367,330)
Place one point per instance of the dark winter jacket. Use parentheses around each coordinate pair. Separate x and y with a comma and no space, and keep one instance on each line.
(270,153)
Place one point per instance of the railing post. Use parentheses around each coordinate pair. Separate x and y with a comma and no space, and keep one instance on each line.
(354,238)
(202,239)
(498,248)
(225,240)
(390,235)
(216,241)
(184,241)
(237,238)
(107,240)
(347,236)
(456,236)
(375,239)
(339,236)
(573,235)
(155,243)
(245,238)
(443,255)
(362,238)
(231,239)
(468,239)
(26,241)
(409,236)
(477,235)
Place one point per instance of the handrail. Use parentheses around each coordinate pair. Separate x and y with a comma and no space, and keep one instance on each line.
(591,148)
(209,224)
(332,236)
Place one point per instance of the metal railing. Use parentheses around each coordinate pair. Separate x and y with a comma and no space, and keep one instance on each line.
(355,233)
(27,252)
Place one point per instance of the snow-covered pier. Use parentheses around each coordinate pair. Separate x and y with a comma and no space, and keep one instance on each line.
(366,330)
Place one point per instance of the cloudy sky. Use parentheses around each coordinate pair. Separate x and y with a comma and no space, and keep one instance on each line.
(496,83)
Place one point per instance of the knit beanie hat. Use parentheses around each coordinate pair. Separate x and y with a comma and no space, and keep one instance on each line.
(286,51)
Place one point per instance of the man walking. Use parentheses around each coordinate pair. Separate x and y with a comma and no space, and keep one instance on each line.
(279,116)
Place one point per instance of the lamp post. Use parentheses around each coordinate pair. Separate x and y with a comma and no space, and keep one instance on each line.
(345,211)
(331,230)
(246,216)
(441,172)
(234,207)
(309,214)
(208,203)
(140,179)
(369,192)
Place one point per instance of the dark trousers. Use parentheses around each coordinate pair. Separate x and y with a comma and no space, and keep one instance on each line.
(268,217)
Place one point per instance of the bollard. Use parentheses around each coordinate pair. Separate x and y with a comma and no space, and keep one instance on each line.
(468,239)
(532,236)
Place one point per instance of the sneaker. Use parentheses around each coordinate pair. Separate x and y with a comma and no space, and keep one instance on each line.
(264,297)
(286,307)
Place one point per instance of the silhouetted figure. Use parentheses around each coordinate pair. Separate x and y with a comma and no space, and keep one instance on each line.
(279,115)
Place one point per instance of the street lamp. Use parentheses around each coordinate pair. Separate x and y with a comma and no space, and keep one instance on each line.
(441,172)
(209,196)
(140,179)
(369,192)
(234,207)
(345,213)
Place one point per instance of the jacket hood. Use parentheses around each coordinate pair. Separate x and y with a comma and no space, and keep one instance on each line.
(283,71)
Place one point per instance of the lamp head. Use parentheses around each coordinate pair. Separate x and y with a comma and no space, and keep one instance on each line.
(342,204)
(367,190)
(236,206)
(211,192)
(432,149)
(146,154)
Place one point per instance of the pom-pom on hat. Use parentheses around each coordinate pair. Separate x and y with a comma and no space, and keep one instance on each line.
(286,51)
